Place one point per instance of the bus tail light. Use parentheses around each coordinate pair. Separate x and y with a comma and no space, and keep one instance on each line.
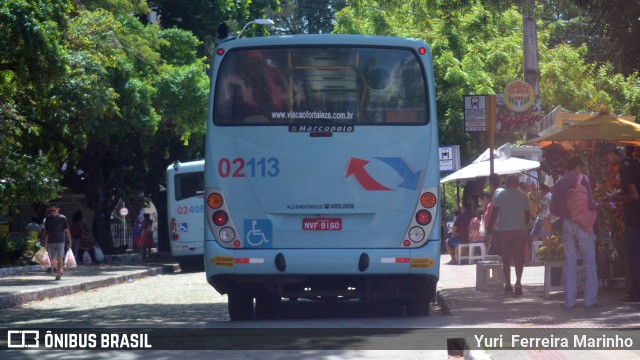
(220,218)
(424,226)
(428,200)
(174,229)
(215,201)
(423,217)
(226,234)
(416,234)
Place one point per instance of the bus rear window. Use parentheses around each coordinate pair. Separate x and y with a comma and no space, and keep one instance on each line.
(189,185)
(320,85)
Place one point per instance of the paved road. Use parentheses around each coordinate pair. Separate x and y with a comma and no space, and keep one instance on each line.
(185,300)
(180,298)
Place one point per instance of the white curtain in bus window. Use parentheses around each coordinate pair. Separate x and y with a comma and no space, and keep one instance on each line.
(320,85)
(189,185)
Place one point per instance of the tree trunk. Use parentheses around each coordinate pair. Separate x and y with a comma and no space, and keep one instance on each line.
(159,199)
(101,221)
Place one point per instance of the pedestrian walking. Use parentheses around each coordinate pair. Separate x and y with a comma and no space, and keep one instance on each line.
(56,230)
(510,213)
(629,196)
(491,239)
(578,238)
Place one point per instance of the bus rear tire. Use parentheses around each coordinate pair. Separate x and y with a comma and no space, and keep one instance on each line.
(417,307)
(191,264)
(240,306)
(267,306)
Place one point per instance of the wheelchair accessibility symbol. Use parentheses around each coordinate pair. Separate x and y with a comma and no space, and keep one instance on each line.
(258,233)
(183,227)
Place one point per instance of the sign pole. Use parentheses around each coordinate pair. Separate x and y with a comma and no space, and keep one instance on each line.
(124,225)
(490,101)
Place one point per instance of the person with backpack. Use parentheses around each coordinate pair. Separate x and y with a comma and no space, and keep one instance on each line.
(629,196)
(573,203)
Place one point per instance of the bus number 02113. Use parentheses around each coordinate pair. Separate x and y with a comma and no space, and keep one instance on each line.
(252,167)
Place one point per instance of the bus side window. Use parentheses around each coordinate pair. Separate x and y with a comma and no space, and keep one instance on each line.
(189,185)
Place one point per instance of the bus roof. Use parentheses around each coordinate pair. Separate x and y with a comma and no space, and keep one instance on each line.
(186,166)
(322,39)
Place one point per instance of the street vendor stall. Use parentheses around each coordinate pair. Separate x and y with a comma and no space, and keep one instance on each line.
(601,127)
(504,164)
(587,139)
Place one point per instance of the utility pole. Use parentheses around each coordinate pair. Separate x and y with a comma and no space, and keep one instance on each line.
(530,49)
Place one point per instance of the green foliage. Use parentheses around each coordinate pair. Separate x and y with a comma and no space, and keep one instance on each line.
(96,99)
(32,41)
(117,7)
(178,46)
(182,99)
(305,16)
(203,17)
(612,32)
(477,49)
(16,249)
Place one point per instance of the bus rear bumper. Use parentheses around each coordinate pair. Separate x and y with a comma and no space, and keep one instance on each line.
(305,273)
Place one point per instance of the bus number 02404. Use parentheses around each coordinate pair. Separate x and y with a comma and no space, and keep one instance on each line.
(239,167)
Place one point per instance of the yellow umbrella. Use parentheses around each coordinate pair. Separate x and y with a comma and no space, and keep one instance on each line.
(603,127)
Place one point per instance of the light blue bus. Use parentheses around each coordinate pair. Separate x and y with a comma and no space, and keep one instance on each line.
(185,211)
(321,172)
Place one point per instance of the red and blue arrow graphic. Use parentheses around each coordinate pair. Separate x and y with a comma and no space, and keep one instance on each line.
(356,168)
(410,179)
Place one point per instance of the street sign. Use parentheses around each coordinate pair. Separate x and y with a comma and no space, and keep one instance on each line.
(475,115)
(124,211)
(449,157)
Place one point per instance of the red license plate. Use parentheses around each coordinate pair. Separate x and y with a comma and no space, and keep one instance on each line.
(322,224)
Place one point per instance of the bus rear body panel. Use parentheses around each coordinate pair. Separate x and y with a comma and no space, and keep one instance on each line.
(322,171)
(186,210)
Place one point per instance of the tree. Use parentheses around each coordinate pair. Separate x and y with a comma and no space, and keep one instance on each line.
(202,17)
(32,56)
(118,147)
(305,16)
(615,29)
(181,100)
(25,178)
(477,49)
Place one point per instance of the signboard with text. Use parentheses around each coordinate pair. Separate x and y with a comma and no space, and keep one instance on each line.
(475,115)
(449,157)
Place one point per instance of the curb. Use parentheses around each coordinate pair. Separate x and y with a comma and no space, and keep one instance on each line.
(22,297)
(447,305)
(21,270)
(445,301)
